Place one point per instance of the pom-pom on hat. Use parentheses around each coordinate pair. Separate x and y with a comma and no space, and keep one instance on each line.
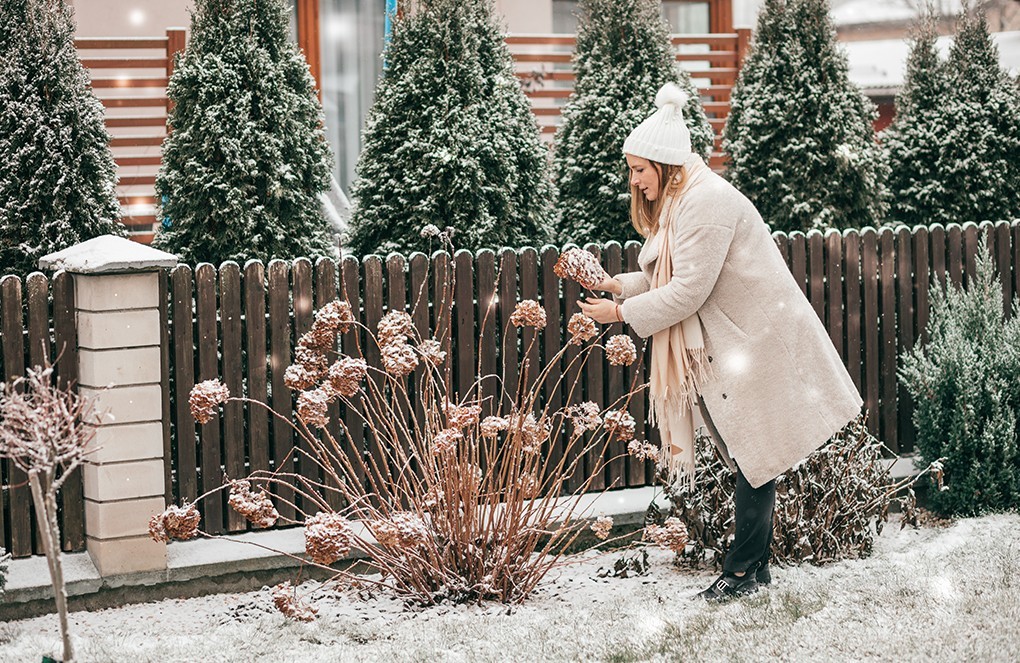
(663,136)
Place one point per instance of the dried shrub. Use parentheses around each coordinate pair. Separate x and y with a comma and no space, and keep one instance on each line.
(176,522)
(286,601)
(602,526)
(206,398)
(580,266)
(828,508)
(581,329)
(620,350)
(256,507)
(327,537)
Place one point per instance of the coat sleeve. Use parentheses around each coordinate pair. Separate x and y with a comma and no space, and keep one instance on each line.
(699,252)
(634,283)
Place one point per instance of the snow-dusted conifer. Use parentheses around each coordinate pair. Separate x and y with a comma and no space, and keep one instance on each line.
(450,140)
(980,157)
(623,57)
(799,134)
(917,185)
(57,175)
(247,157)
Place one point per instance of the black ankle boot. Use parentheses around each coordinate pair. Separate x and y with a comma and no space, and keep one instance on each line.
(728,585)
(763,575)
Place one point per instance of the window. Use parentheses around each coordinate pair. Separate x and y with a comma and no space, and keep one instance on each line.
(683,16)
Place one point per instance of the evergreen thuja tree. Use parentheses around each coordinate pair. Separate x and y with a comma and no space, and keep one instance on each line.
(247,157)
(980,149)
(799,134)
(623,57)
(57,175)
(964,383)
(450,140)
(917,186)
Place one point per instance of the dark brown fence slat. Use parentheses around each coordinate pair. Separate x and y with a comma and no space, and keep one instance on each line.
(834,288)
(182,315)
(905,317)
(488,311)
(373,297)
(528,267)
(922,279)
(553,337)
(38,301)
(280,353)
(396,300)
(301,291)
(18,495)
(971,237)
(351,345)
(783,244)
(595,391)
(887,294)
(326,292)
(442,288)
(420,315)
(208,368)
(954,259)
(507,303)
(852,278)
(464,303)
(816,273)
(798,260)
(233,413)
(72,500)
(634,375)
(937,241)
(869,278)
(573,388)
(257,373)
(615,474)
(1002,261)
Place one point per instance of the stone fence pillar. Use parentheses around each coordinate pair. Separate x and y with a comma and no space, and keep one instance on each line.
(116,294)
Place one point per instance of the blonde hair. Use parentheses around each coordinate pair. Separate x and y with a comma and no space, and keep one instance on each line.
(644,213)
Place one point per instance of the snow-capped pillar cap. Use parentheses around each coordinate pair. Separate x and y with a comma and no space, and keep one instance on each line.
(107,254)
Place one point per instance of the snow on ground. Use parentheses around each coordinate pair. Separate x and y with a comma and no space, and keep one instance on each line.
(943,594)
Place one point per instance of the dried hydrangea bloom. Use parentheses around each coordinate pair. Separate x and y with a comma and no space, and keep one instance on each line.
(581,328)
(403,530)
(327,537)
(581,266)
(491,426)
(176,522)
(287,602)
(320,338)
(643,450)
(529,485)
(313,360)
(462,416)
(446,440)
(430,230)
(602,526)
(311,407)
(205,399)
(298,378)
(620,425)
(585,417)
(335,316)
(256,507)
(432,352)
(671,534)
(346,374)
(395,328)
(528,313)
(399,359)
(533,432)
(620,350)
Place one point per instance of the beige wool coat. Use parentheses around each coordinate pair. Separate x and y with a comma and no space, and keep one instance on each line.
(780,390)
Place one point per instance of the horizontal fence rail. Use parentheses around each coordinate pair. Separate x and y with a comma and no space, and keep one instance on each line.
(870,289)
(37,327)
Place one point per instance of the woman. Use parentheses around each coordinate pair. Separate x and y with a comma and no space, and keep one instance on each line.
(731,332)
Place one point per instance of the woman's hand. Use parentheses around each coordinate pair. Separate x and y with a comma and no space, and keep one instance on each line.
(601,311)
(610,285)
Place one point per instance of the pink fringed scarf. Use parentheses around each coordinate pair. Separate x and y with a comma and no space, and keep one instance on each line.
(679,362)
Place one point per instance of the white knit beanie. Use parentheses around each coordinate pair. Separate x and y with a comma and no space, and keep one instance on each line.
(663,136)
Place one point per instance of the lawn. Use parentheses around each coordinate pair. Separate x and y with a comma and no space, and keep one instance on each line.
(936,593)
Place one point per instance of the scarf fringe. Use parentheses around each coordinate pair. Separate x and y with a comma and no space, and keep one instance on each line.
(680,474)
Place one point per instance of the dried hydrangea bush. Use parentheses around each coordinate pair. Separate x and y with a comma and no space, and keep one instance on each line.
(464,502)
(828,508)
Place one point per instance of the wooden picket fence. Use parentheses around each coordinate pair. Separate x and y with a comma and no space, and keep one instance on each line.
(870,288)
(37,327)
